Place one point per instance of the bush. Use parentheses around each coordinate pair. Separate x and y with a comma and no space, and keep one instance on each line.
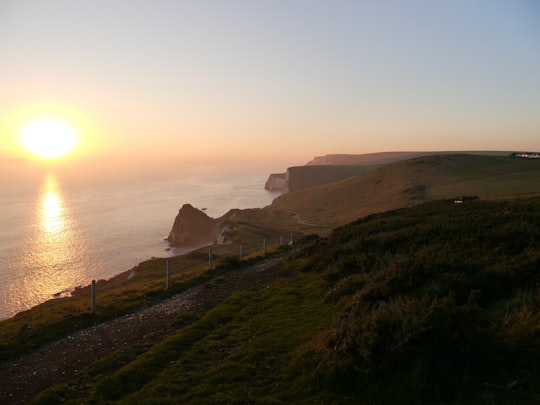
(429,297)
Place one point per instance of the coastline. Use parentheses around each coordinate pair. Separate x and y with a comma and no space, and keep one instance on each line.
(112,282)
(127,274)
(108,227)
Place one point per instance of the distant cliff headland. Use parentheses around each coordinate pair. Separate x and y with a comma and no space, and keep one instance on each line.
(330,168)
(333,190)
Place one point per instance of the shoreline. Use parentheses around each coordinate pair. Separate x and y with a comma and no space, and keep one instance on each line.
(111,225)
(127,274)
(115,280)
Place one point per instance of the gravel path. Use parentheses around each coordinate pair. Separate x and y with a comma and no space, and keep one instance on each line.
(23,378)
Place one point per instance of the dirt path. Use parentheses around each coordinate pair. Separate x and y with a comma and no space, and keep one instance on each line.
(23,378)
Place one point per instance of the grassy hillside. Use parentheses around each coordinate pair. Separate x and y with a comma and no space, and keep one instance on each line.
(304,177)
(430,304)
(141,286)
(438,304)
(331,168)
(380,158)
(410,182)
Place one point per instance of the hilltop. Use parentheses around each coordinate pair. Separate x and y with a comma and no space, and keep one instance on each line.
(410,182)
(330,168)
(382,158)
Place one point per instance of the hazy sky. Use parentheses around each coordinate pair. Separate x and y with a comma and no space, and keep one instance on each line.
(273,81)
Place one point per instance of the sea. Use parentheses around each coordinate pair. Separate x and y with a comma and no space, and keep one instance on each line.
(59,231)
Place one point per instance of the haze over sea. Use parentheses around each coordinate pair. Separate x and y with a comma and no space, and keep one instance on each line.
(60,231)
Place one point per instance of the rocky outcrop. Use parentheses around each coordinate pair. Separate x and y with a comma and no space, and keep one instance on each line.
(278,182)
(193,227)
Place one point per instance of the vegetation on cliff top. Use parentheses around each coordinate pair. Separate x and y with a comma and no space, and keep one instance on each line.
(431,304)
(410,182)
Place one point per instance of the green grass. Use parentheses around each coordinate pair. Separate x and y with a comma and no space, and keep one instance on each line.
(58,318)
(433,304)
(242,351)
(410,182)
(304,177)
(440,304)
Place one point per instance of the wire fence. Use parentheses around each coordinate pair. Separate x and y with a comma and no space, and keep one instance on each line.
(217,254)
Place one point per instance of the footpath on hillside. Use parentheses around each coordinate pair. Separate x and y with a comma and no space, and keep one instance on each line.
(23,378)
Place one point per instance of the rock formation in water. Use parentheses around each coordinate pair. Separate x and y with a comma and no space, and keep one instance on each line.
(192,227)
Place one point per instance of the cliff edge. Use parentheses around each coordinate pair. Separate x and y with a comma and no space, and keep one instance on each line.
(278,182)
(327,169)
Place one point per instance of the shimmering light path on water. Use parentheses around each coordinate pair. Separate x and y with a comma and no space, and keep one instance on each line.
(57,234)
(52,257)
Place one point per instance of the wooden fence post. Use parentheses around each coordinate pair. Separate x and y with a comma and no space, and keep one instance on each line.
(93,296)
(167,276)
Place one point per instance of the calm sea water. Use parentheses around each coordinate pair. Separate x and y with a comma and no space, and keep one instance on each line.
(57,233)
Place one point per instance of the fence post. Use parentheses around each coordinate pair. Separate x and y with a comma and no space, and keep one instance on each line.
(241,251)
(93,296)
(167,276)
(281,239)
(264,246)
(292,240)
(210,259)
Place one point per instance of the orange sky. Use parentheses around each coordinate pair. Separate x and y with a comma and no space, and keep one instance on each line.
(271,83)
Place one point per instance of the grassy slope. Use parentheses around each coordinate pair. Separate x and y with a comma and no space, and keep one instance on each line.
(429,304)
(515,313)
(380,158)
(400,184)
(59,317)
(242,351)
(440,304)
(304,177)
(410,182)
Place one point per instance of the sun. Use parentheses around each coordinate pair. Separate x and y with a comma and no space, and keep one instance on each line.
(48,138)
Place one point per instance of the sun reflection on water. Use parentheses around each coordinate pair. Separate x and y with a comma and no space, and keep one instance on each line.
(54,236)
(54,259)
(52,211)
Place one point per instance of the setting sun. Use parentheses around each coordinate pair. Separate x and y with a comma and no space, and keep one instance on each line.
(48,138)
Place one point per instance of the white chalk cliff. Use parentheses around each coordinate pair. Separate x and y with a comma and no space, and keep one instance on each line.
(278,182)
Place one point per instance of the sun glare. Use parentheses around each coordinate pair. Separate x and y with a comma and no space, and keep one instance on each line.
(48,138)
